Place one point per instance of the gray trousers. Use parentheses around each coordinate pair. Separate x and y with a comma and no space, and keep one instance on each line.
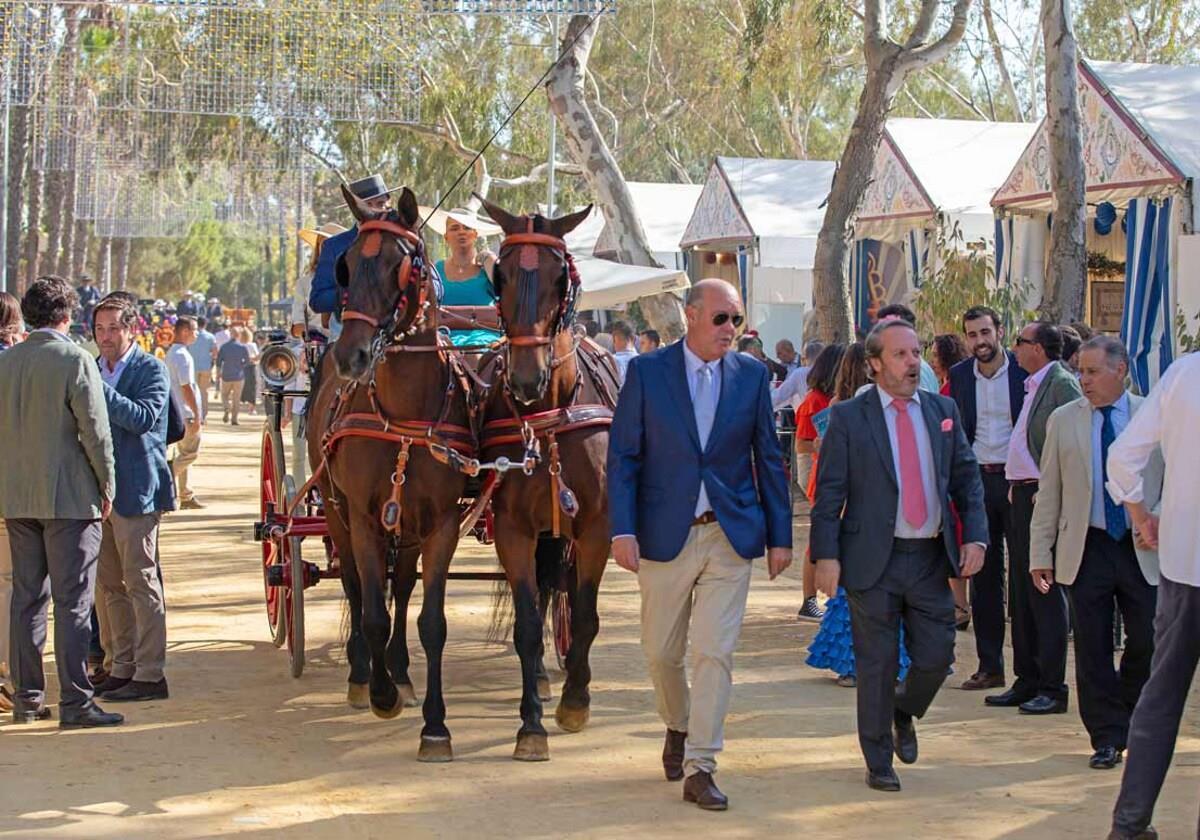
(1155,723)
(52,558)
(129,599)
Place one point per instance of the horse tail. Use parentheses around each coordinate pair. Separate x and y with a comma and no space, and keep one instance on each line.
(549,555)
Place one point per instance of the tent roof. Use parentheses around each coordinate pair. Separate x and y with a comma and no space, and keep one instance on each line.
(1140,126)
(664,210)
(952,166)
(608,284)
(745,198)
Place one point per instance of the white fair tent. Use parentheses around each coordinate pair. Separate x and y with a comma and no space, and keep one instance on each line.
(1141,161)
(931,186)
(755,225)
(664,210)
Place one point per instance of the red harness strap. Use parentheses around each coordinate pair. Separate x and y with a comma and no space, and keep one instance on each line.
(421,432)
(559,421)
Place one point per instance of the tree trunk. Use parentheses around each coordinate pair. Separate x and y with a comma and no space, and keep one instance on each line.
(121,264)
(1066,268)
(104,264)
(55,189)
(33,221)
(18,144)
(79,251)
(1006,82)
(586,144)
(831,285)
(66,255)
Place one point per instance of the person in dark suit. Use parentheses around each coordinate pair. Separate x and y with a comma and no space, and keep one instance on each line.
(1039,619)
(696,491)
(130,603)
(892,460)
(989,389)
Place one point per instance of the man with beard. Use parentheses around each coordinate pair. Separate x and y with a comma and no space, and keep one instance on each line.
(989,389)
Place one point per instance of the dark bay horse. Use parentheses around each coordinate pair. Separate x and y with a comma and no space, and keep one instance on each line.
(388,391)
(555,395)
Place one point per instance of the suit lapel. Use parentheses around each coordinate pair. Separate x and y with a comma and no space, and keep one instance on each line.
(127,371)
(873,409)
(937,439)
(1083,438)
(1042,390)
(677,384)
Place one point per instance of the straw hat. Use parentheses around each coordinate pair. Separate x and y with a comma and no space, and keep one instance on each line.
(438,220)
(311,237)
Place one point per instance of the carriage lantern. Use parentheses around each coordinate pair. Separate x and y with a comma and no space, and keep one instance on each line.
(278,365)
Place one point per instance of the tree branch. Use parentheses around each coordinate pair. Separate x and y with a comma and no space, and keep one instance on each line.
(920,57)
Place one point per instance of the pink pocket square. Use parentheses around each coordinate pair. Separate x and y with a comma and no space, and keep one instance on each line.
(947,425)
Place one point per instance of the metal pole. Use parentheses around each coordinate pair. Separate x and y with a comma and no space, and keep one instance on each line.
(5,80)
(553,128)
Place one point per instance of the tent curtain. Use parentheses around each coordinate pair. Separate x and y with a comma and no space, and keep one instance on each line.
(1004,246)
(743,264)
(1146,327)
(916,243)
(864,257)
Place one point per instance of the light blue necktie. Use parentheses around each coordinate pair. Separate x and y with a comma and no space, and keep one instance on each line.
(705,405)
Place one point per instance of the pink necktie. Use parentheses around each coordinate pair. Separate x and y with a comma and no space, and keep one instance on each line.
(912,489)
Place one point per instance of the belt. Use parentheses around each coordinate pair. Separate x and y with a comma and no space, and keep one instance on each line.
(1021,482)
(991,468)
(706,518)
(910,544)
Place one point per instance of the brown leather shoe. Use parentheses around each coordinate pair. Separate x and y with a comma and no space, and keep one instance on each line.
(701,789)
(673,755)
(979,681)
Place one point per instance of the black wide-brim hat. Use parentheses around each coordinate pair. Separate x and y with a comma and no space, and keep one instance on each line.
(370,187)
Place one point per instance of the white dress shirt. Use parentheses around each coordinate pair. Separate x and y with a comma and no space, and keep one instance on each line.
(622,358)
(1169,417)
(1120,419)
(792,391)
(933,505)
(993,415)
(114,376)
(1019,465)
(693,364)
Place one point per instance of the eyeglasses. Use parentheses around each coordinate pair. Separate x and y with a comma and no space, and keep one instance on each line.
(1022,340)
(722,318)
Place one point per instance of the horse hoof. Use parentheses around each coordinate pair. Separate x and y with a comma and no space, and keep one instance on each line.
(358,695)
(532,747)
(435,750)
(545,693)
(387,713)
(571,719)
(408,695)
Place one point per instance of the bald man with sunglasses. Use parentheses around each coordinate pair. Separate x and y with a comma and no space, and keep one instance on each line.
(696,491)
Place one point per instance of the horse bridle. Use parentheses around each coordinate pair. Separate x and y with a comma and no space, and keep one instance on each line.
(414,259)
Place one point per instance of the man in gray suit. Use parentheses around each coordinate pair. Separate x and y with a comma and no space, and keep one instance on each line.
(891,461)
(56,487)
(1083,540)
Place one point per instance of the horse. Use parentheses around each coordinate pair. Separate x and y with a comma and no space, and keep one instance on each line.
(550,402)
(391,428)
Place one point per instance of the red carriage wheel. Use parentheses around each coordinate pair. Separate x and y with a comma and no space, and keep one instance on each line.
(274,550)
(294,592)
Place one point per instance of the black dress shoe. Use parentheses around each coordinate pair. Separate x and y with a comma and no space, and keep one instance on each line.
(673,755)
(110,683)
(89,717)
(701,789)
(1105,758)
(1043,705)
(885,780)
(1147,833)
(135,692)
(1008,699)
(904,738)
(31,715)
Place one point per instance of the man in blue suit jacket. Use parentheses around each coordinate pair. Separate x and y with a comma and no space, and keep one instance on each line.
(130,605)
(696,491)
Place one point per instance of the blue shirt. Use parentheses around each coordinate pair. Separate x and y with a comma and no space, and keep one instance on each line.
(1120,419)
(202,350)
(114,376)
(693,364)
(233,358)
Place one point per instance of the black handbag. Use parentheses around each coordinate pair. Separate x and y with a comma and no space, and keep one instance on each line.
(176,424)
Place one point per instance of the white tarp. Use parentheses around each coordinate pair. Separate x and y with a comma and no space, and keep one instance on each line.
(664,210)
(608,285)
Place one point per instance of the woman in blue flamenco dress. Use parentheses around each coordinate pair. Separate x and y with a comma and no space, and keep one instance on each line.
(468,297)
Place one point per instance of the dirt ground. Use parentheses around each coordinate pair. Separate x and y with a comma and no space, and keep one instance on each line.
(242,748)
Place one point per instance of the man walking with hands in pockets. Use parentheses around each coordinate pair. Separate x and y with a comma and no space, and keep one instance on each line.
(892,459)
(696,491)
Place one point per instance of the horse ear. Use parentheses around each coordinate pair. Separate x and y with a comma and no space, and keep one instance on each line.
(357,206)
(507,221)
(406,206)
(563,225)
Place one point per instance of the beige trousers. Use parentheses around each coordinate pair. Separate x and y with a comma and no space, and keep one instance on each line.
(231,398)
(704,587)
(186,452)
(204,382)
(6,581)
(129,599)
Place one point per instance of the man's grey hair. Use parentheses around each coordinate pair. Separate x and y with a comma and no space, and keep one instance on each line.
(1114,351)
(694,296)
(812,350)
(874,342)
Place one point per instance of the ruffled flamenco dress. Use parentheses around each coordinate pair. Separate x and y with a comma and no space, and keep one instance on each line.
(833,646)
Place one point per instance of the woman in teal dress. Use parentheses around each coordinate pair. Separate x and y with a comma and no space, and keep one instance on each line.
(468,297)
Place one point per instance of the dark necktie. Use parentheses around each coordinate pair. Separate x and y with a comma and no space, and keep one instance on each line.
(1114,515)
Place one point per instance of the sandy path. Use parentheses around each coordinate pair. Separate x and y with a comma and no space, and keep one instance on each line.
(243,748)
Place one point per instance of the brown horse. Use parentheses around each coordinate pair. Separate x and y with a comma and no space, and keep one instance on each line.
(387,392)
(554,395)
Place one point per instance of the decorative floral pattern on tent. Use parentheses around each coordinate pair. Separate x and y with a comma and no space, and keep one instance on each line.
(894,191)
(1114,155)
(717,215)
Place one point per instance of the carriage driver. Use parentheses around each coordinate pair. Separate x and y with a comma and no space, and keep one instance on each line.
(323,299)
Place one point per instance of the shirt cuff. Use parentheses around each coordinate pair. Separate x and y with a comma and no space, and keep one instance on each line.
(624,537)
(1120,496)
(976,542)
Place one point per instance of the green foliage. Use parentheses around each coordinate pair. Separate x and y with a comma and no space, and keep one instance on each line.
(1189,342)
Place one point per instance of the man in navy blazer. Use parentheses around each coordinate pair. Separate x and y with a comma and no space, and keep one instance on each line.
(130,605)
(696,491)
(989,389)
(891,462)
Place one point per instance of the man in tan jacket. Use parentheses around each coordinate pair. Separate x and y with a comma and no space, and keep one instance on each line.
(56,487)
(1082,539)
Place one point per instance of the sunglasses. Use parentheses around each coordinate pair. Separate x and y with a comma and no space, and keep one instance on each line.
(1021,340)
(722,318)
